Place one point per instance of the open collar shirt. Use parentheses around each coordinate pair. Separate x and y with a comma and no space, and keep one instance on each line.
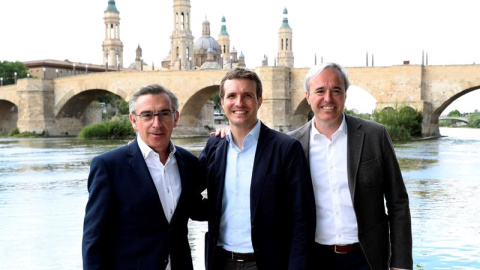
(235,224)
(166,177)
(336,219)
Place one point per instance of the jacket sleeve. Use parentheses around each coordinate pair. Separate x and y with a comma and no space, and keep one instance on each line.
(96,236)
(398,208)
(303,206)
(198,204)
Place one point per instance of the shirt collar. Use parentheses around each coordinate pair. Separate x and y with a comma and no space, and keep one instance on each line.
(341,128)
(254,133)
(146,150)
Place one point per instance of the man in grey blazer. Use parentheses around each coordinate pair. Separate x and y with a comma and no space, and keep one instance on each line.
(354,171)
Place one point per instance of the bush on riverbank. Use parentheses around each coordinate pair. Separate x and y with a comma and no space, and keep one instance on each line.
(15,132)
(116,128)
(474,119)
(402,123)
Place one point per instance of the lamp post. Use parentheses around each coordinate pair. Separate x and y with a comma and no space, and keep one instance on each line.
(231,58)
(44,73)
(190,61)
(86,68)
(1,81)
(28,75)
(15,77)
(73,69)
(56,71)
(179,63)
(106,66)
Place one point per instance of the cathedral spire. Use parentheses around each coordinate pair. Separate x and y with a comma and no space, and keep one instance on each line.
(285,35)
(111,6)
(112,45)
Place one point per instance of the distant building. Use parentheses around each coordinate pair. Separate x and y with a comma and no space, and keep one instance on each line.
(49,69)
(185,54)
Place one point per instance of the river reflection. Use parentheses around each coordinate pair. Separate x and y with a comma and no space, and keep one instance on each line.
(43,195)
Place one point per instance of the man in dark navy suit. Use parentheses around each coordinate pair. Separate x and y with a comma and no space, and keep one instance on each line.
(141,195)
(262,210)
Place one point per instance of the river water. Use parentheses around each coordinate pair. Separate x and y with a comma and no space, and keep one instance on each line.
(43,195)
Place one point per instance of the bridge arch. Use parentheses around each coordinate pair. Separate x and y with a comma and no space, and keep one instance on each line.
(191,120)
(453,98)
(300,114)
(78,111)
(8,115)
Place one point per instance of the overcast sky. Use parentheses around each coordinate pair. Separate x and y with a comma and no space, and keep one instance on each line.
(342,31)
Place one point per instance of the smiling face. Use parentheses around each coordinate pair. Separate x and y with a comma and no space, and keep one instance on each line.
(327,98)
(240,103)
(155,133)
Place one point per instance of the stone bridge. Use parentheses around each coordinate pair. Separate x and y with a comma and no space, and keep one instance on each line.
(61,106)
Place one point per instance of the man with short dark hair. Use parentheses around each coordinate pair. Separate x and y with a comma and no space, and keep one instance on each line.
(262,211)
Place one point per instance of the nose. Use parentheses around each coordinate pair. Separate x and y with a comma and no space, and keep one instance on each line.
(156,121)
(239,101)
(328,95)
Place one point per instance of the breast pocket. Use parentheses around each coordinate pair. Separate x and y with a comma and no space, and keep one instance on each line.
(370,173)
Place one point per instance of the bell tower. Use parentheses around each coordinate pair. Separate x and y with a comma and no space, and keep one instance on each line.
(224,41)
(112,45)
(181,51)
(285,52)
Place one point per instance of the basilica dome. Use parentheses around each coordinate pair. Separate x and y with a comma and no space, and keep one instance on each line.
(206,42)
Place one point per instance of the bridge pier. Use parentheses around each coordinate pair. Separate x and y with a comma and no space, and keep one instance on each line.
(430,126)
(275,109)
(35,109)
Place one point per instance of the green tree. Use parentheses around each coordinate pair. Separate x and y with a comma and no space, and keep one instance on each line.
(474,119)
(8,69)
(454,113)
(365,116)
(402,123)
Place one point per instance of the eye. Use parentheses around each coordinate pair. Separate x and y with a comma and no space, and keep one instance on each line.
(320,91)
(337,91)
(146,115)
(165,113)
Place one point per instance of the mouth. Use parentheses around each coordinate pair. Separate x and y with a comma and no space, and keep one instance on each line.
(328,108)
(157,133)
(239,112)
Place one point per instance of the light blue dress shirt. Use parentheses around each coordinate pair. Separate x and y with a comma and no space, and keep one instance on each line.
(235,223)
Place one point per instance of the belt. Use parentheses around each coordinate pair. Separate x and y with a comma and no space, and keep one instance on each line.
(239,257)
(341,249)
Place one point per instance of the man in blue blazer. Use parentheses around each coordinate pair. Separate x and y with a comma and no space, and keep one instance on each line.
(141,195)
(354,171)
(262,211)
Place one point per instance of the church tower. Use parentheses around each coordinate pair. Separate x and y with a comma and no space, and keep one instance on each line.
(112,45)
(224,40)
(285,53)
(181,51)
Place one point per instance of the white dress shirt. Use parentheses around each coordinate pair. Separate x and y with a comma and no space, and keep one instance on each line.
(235,224)
(336,219)
(165,177)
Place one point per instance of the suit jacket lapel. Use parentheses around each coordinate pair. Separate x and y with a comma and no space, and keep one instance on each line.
(182,169)
(137,161)
(303,136)
(260,165)
(220,171)
(354,151)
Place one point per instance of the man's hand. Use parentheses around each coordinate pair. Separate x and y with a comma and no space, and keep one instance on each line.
(222,132)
